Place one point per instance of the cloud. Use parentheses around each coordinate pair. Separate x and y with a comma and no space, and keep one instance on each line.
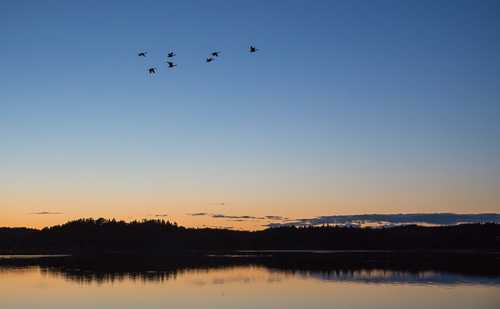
(161,215)
(274,218)
(394,219)
(235,217)
(45,213)
(218,216)
(366,219)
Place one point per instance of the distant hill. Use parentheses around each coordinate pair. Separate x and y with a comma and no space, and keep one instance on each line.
(90,235)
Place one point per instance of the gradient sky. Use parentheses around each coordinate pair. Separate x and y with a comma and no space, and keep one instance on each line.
(348,107)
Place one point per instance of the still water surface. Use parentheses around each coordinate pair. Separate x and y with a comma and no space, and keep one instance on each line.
(243,286)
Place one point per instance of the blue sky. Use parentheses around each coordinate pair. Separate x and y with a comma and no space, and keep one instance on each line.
(348,107)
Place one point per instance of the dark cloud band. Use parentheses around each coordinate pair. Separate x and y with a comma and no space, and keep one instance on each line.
(395,219)
(368,219)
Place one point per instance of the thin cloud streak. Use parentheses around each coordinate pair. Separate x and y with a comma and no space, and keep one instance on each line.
(198,214)
(45,213)
(241,218)
(237,217)
(275,218)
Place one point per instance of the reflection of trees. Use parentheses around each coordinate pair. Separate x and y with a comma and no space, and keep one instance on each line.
(384,276)
(101,276)
(90,277)
(331,272)
(416,262)
(371,267)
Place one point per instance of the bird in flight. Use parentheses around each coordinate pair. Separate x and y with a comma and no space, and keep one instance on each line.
(142,54)
(152,70)
(210,59)
(216,54)
(170,55)
(253,49)
(171,64)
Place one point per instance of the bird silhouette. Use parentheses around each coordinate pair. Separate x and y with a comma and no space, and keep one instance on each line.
(216,54)
(210,59)
(171,65)
(142,54)
(152,70)
(253,49)
(170,55)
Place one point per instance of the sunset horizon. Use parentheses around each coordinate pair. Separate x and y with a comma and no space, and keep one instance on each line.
(249,114)
(255,223)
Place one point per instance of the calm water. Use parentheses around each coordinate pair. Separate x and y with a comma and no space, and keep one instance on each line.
(242,285)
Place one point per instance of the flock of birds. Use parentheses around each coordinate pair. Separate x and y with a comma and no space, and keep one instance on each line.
(171,64)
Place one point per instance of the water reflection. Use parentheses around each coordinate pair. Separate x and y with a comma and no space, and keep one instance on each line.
(99,278)
(365,276)
(460,270)
(246,282)
(379,276)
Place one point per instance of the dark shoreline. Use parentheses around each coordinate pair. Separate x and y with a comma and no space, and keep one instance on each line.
(89,236)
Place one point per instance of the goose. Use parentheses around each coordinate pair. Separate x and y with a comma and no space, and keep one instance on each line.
(171,65)
(210,59)
(216,54)
(170,55)
(152,70)
(142,54)
(253,49)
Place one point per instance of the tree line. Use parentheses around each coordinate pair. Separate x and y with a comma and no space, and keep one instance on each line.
(97,235)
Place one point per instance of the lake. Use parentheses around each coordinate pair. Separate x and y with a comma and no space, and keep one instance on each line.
(249,281)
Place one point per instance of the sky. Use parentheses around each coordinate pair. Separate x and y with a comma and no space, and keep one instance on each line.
(348,108)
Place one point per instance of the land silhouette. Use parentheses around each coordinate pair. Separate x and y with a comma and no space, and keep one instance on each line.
(159,236)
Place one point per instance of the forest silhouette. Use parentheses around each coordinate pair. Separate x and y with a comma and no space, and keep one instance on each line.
(104,235)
